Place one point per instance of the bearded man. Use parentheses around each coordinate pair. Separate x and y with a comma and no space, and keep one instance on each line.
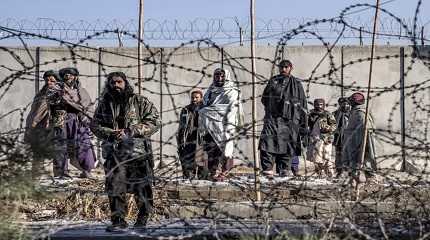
(342,117)
(125,122)
(40,127)
(322,125)
(219,123)
(353,141)
(187,137)
(73,115)
(285,123)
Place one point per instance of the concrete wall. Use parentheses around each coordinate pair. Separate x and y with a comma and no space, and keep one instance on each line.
(189,66)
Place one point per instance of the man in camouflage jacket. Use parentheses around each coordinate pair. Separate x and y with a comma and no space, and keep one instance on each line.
(322,125)
(125,122)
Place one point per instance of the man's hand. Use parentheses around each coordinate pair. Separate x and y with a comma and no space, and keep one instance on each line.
(54,95)
(121,134)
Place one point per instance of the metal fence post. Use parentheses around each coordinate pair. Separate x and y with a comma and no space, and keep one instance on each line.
(37,71)
(161,165)
(240,36)
(99,92)
(99,72)
(402,106)
(222,58)
(342,94)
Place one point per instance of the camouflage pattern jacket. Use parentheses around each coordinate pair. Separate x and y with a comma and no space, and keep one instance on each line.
(327,124)
(138,116)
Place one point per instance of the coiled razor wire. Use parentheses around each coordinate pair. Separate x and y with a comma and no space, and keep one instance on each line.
(407,199)
(217,29)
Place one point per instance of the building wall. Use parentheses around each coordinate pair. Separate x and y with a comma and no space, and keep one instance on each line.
(190,66)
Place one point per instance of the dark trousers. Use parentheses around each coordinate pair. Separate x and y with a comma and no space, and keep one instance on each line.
(187,158)
(340,166)
(42,147)
(190,169)
(295,161)
(216,159)
(127,174)
(118,204)
(60,163)
(282,162)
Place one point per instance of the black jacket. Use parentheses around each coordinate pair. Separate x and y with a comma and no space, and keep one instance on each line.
(285,116)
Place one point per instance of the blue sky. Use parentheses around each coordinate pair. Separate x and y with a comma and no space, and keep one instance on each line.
(187,10)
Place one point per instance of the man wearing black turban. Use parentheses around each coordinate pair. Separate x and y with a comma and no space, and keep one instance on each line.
(39,131)
(73,116)
(125,122)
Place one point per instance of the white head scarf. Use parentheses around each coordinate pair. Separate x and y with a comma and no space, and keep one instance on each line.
(222,114)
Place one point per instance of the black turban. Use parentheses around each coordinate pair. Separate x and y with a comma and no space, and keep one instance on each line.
(319,100)
(50,73)
(285,63)
(342,100)
(69,70)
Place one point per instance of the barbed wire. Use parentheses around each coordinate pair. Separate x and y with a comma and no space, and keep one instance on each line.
(226,29)
(383,209)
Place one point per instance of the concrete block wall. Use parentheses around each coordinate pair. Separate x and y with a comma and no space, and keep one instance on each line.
(189,66)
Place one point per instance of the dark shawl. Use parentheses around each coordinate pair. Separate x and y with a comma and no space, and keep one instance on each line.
(285,108)
(353,139)
(38,118)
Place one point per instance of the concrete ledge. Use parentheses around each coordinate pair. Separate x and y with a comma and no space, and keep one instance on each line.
(281,211)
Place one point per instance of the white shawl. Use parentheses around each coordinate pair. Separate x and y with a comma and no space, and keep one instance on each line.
(222,115)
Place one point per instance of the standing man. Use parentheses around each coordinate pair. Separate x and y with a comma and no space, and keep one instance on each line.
(70,114)
(187,136)
(125,122)
(353,140)
(322,125)
(39,130)
(219,123)
(285,123)
(342,116)
(74,114)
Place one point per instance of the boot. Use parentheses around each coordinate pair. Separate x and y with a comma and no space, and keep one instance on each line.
(283,173)
(295,172)
(118,225)
(268,174)
(141,222)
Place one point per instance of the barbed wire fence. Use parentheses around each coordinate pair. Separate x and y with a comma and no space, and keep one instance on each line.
(224,30)
(396,207)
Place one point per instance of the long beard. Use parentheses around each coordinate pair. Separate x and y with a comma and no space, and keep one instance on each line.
(70,83)
(196,106)
(219,83)
(118,94)
(346,109)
